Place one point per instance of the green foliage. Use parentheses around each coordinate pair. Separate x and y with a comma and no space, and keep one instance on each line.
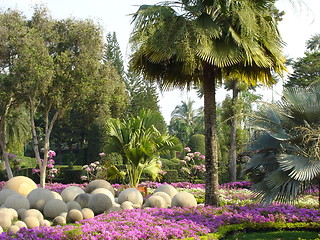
(197,143)
(171,176)
(27,162)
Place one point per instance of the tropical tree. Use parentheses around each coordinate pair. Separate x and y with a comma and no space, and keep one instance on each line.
(187,42)
(285,157)
(140,144)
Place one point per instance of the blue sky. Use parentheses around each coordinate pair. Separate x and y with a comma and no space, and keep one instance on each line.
(299,24)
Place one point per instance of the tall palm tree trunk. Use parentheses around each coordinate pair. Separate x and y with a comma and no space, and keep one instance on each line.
(211,144)
(233,133)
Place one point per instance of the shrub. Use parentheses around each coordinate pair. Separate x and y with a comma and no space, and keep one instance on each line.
(197,143)
(171,176)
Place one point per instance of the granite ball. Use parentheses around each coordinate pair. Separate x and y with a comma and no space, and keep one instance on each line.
(13,229)
(4,194)
(170,190)
(17,201)
(131,195)
(31,222)
(165,196)
(126,205)
(100,203)
(59,221)
(87,213)
(69,193)
(21,224)
(99,183)
(104,191)
(39,197)
(5,220)
(155,201)
(21,184)
(33,213)
(45,222)
(74,215)
(83,199)
(184,199)
(73,205)
(54,207)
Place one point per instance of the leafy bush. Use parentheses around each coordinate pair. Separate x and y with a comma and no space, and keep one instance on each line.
(197,143)
(171,176)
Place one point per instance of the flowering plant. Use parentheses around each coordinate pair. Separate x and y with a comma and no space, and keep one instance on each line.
(91,171)
(51,170)
(192,164)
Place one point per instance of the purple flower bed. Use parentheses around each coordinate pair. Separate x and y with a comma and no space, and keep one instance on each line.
(168,223)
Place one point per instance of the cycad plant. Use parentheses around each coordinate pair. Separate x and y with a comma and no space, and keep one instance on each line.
(140,144)
(286,151)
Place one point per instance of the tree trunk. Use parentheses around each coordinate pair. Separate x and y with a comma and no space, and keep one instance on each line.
(211,144)
(233,133)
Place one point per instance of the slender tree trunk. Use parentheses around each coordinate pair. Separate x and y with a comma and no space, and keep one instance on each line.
(233,133)
(211,144)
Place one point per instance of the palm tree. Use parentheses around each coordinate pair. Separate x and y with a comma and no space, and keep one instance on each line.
(313,44)
(286,153)
(140,144)
(187,42)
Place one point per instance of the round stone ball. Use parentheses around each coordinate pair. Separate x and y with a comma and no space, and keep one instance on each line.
(54,207)
(184,199)
(21,184)
(73,205)
(10,212)
(87,213)
(39,197)
(21,213)
(155,201)
(59,221)
(21,224)
(170,190)
(100,203)
(131,195)
(83,199)
(4,194)
(45,222)
(104,191)
(17,201)
(126,205)
(69,193)
(115,209)
(5,220)
(99,183)
(56,195)
(33,213)
(31,222)
(13,229)
(63,214)
(1,230)
(165,196)
(74,215)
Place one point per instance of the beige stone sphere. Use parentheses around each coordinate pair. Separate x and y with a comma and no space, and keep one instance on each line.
(99,183)
(69,193)
(21,224)
(13,229)
(169,189)
(33,213)
(59,221)
(126,205)
(74,215)
(131,195)
(5,220)
(104,191)
(45,222)
(155,201)
(31,222)
(21,184)
(87,213)
(165,196)
(184,199)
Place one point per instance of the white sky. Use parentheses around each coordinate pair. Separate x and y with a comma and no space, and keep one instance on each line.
(300,23)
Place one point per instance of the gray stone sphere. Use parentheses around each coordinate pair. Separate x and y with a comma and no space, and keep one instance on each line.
(87,213)
(165,196)
(104,191)
(31,222)
(131,195)
(13,229)
(21,184)
(5,220)
(21,224)
(17,201)
(21,213)
(69,193)
(74,215)
(45,222)
(126,205)
(115,209)
(56,195)
(170,190)
(155,201)
(184,199)
(33,213)
(59,221)
(99,183)
(39,197)
(83,199)
(100,203)
(73,205)
(4,194)
(54,207)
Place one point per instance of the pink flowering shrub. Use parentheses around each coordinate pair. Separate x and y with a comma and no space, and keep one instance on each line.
(51,170)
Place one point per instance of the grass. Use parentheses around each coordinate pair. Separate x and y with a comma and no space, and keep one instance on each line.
(274,235)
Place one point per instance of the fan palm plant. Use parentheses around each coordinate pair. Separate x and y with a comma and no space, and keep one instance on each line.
(140,144)
(185,42)
(286,159)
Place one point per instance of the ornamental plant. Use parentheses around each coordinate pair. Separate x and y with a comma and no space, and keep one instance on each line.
(91,171)
(51,170)
(192,164)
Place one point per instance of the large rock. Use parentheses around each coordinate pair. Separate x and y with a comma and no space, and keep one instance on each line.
(4,194)
(69,193)
(54,207)
(170,190)
(74,215)
(83,199)
(165,196)
(104,191)
(100,203)
(155,201)
(99,183)
(17,201)
(184,199)
(21,184)
(131,195)
(39,197)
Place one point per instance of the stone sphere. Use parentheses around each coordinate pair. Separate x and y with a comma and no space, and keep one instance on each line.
(73,205)
(83,199)
(54,207)
(21,213)
(63,214)
(10,212)
(170,190)
(165,196)
(4,194)
(155,201)
(59,221)
(87,213)
(13,229)
(115,209)
(31,222)
(21,184)
(69,193)
(33,213)
(39,197)
(17,201)
(104,191)
(99,183)
(5,220)
(45,223)
(1,230)
(184,199)
(126,205)
(56,195)
(74,215)
(131,195)
(21,224)
(100,203)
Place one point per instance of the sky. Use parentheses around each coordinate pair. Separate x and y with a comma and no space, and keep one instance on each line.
(300,22)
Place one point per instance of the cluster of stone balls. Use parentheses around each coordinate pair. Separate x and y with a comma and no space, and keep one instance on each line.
(23,204)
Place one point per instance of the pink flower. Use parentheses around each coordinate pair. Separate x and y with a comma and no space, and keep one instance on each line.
(102,154)
(51,153)
(187,158)
(187,149)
